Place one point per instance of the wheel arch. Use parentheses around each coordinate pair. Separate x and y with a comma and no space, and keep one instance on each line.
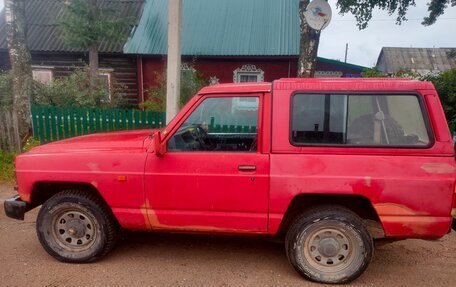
(358,204)
(43,190)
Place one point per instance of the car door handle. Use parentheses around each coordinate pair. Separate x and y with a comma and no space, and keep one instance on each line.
(246,168)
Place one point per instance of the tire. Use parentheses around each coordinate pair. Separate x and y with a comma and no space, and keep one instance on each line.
(76,226)
(329,244)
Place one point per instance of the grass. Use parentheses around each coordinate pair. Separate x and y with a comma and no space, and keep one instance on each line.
(7,161)
(6,166)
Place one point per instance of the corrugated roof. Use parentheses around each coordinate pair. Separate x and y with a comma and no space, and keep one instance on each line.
(340,63)
(221,28)
(44,33)
(392,60)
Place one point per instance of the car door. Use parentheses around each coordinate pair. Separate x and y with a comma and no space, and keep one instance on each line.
(213,176)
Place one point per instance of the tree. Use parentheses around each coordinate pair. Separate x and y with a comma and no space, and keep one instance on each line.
(86,23)
(373,73)
(308,48)
(362,10)
(445,84)
(21,70)
(191,82)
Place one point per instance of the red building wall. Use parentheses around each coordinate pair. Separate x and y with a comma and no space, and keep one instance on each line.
(223,67)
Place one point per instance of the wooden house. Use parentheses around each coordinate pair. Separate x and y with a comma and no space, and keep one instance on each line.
(228,41)
(421,60)
(52,58)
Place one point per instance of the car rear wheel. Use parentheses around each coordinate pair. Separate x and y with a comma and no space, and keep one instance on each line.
(75,226)
(329,244)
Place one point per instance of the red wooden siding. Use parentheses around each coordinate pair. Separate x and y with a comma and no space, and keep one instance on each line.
(223,67)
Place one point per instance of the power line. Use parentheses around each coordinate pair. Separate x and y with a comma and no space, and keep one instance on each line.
(385,20)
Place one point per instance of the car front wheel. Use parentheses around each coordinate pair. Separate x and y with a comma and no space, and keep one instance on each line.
(75,226)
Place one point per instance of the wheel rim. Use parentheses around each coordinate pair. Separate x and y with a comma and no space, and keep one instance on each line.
(329,249)
(74,230)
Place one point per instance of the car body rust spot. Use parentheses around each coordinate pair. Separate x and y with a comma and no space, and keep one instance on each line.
(25,197)
(395,209)
(153,223)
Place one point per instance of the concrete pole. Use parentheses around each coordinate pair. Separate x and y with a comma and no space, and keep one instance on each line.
(346,52)
(174,59)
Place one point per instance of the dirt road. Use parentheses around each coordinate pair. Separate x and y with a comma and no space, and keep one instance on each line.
(143,259)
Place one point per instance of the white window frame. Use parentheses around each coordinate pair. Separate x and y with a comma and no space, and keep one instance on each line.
(248,70)
(187,67)
(47,70)
(108,73)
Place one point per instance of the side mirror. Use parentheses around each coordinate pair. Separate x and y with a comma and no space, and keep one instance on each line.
(158,146)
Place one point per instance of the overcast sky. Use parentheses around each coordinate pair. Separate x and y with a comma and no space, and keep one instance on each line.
(365,45)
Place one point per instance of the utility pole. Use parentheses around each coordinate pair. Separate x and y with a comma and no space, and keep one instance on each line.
(174,59)
(346,52)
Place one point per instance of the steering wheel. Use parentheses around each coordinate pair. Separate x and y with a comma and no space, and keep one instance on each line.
(203,138)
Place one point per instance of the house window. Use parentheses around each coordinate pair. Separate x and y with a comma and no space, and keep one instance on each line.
(187,67)
(43,75)
(105,79)
(248,73)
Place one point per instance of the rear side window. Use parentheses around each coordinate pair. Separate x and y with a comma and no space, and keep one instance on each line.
(378,120)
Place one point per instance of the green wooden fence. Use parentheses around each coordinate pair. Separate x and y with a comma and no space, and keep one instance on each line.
(56,123)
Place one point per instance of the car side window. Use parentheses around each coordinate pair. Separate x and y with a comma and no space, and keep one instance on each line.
(364,120)
(219,124)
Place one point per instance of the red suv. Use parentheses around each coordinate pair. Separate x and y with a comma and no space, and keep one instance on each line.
(327,165)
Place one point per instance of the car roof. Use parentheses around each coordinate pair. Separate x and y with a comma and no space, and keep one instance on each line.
(352,84)
(322,84)
(259,87)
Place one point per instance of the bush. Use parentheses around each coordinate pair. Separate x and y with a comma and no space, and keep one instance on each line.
(445,84)
(156,96)
(191,82)
(376,73)
(373,73)
(74,90)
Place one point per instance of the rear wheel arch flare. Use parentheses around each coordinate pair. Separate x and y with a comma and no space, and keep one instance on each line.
(358,204)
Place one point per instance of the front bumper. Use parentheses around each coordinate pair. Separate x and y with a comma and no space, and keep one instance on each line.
(16,208)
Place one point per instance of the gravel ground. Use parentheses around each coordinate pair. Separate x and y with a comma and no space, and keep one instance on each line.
(147,259)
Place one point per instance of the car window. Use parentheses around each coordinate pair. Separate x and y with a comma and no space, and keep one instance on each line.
(219,124)
(381,120)
(319,119)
